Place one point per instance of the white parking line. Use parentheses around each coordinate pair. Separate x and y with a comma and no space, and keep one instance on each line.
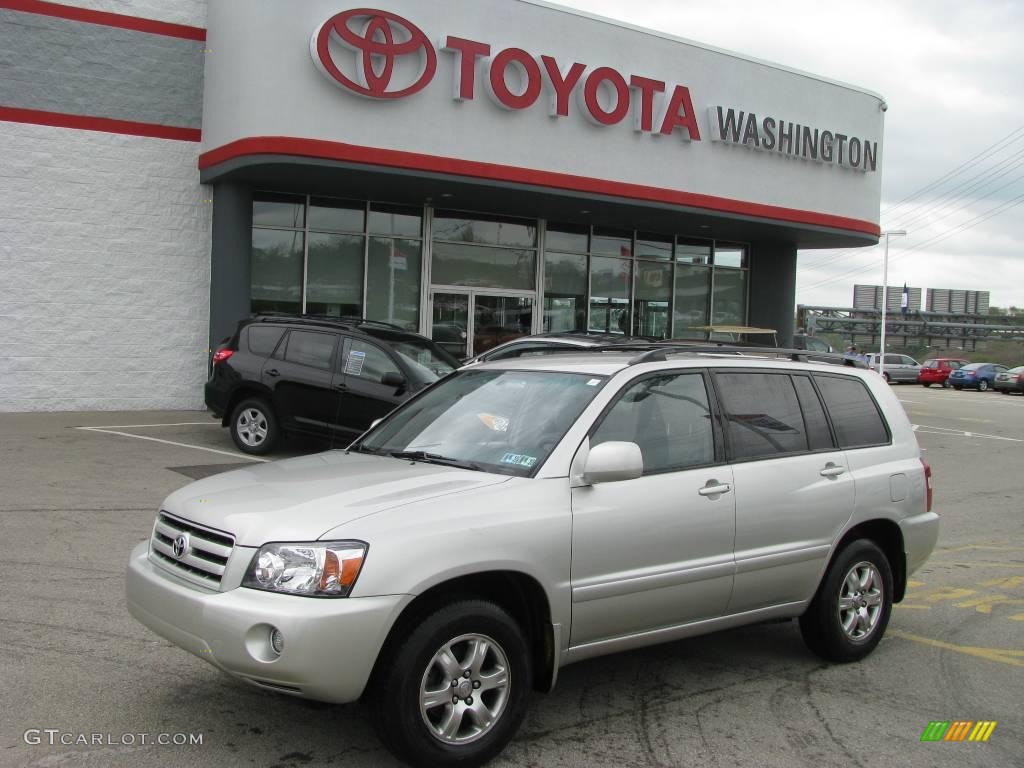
(173,424)
(930,430)
(171,442)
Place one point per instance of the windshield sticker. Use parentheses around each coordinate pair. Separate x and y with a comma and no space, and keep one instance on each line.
(520,460)
(497,423)
(593,382)
(354,363)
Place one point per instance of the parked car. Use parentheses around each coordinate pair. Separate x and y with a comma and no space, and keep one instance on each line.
(548,343)
(1011,380)
(898,369)
(522,515)
(326,377)
(980,376)
(810,343)
(936,370)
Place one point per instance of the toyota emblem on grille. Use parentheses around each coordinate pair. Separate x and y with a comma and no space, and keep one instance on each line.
(381,41)
(180,546)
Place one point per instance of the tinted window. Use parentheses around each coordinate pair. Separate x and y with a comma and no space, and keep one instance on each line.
(263,339)
(932,364)
(894,360)
(312,349)
(855,416)
(668,417)
(762,413)
(367,361)
(819,438)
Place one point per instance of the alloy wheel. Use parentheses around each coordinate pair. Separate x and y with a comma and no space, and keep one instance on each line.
(861,601)
(252,427)
(464,689)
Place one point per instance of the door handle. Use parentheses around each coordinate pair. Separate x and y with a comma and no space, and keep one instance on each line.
(832,470)
(341,387)
(713,488)
(273,372)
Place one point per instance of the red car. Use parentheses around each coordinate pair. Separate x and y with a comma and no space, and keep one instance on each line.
(937,370)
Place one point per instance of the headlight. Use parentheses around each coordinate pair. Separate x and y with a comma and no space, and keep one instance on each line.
(315,569)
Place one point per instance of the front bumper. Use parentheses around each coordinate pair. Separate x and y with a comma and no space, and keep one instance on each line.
(330,644)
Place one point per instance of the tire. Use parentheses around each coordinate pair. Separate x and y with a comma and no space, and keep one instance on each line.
(1005,391)
(957,387)
(946,384)
(254,427)
(886,377)
(413,669)
(850,635)
(983,386)
(926,385)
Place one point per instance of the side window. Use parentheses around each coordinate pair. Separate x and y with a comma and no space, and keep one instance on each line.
(909,360)
(367,361)
(263,339)
(894,360)
(954,365)
(312,349)
(855,416)
(762,414)
(515,350)
(668,417)
(819,438)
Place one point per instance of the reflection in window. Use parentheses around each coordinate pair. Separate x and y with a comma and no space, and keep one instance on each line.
(693,285)
(608,242)
(654,247)
(276,271)
(668,417)
(653,294)
(367,361)
(693,252)
(395,220)
(733,256)
(565,292)
(764,416)
(312,349)
(483,267)
(334,280)
(279,211)
(610,282)
(393,281)
(566,238)
(491,231)
(336,215)
(730,299)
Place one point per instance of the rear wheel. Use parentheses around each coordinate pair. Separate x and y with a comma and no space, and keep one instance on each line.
(849,614)
(983,386)
(957,387)
(455,691)
(946,384)
(254,427)
(925,385)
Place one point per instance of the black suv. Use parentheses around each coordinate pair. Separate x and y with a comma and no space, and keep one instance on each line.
(328,377)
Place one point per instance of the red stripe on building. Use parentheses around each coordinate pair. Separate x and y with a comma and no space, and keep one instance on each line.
(102,124)
(106,19)
(389,158)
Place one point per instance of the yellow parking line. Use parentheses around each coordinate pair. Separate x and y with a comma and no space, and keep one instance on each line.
(1002,655)
(981,563)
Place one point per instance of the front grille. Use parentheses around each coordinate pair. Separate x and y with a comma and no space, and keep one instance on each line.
(207,555)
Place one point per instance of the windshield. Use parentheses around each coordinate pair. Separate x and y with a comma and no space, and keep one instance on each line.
(428,362)
(496,421)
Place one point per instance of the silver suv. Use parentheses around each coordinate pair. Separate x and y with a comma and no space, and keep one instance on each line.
(522,515)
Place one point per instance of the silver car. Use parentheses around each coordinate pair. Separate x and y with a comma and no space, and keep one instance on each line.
(901,369)
(519,516)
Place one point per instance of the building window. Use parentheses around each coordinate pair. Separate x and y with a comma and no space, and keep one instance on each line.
(493,252)
(341,258)
(729,294)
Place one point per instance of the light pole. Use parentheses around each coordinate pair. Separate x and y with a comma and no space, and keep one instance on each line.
(885,293)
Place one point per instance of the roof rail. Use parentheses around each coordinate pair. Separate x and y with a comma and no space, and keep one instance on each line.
(658,352)
(278,317)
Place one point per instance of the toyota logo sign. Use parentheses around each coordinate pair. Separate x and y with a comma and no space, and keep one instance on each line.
(382,42)
(181,546)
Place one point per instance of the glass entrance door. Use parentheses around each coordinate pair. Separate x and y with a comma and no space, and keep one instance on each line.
(467,324)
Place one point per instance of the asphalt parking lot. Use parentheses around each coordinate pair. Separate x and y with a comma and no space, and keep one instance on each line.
(80,490)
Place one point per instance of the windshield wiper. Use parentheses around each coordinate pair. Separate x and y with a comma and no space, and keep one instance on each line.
(360,448)
(436,458)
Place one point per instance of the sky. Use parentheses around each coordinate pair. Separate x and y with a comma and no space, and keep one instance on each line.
(952,73)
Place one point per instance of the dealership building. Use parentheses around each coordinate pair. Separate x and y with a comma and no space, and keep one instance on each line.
(468,170)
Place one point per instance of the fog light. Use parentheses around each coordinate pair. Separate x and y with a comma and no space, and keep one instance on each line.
(276,640)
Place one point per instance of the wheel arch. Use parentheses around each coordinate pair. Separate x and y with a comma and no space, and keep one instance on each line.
(517,592)
(889,538)
(240,393)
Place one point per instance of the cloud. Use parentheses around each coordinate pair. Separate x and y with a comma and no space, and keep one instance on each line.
(951,73)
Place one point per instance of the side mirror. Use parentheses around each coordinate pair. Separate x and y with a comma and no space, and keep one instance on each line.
(392,379)
(613,461)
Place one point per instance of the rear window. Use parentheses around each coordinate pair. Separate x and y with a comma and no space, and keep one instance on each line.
(263,339)
(762,413)
(930,364)
(974,367)
(855,416)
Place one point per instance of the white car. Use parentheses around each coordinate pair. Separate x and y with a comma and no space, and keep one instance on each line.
(522,515)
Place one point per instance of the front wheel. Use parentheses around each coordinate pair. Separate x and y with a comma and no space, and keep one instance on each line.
(957,387)
(849,614)
(454,693)
(925,385)
(982,386)
(946,384)
(886,377)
